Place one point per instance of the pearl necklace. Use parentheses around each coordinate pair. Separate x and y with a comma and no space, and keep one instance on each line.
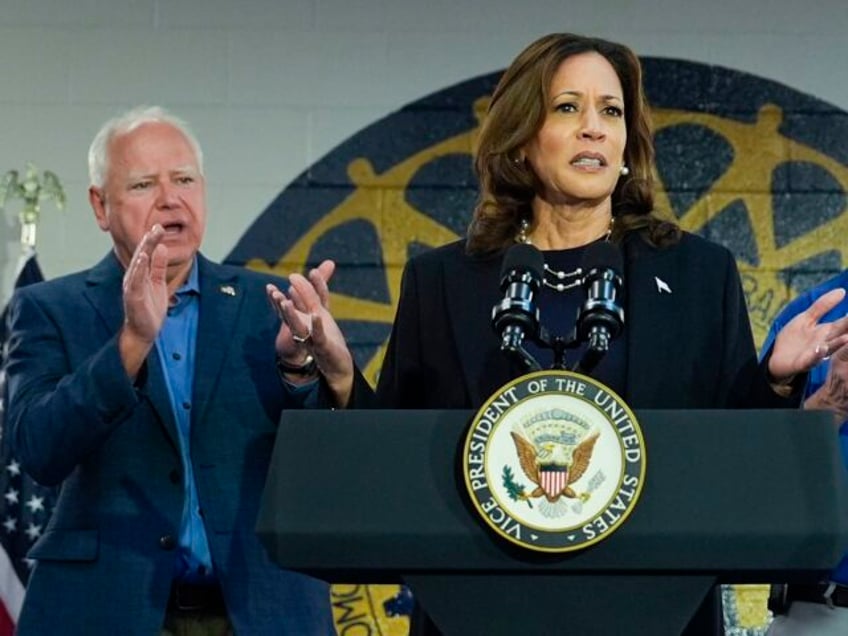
(563,281)
(560,275)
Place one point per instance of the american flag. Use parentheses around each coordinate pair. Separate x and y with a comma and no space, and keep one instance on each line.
(25,506)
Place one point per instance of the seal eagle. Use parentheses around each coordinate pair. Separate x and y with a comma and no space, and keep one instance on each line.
(555,466)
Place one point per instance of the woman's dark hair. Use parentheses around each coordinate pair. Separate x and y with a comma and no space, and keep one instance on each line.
(517,111)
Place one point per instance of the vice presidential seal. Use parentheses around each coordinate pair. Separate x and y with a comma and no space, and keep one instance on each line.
(554,461)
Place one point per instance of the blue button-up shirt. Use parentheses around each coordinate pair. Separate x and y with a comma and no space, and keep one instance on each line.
(175,347)
(819,372)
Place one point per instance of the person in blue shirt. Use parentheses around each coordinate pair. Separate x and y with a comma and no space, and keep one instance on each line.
(150,388)
(820,610)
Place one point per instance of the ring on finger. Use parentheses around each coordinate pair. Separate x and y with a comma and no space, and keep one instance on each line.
(302,339)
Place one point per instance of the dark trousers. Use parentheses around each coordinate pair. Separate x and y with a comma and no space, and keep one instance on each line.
(196,610)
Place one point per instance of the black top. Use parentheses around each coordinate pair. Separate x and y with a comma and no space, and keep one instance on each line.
(558,314)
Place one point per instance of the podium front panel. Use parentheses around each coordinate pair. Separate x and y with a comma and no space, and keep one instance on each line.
(371,495)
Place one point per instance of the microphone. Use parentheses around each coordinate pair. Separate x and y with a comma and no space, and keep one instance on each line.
(600,318)
(516,317)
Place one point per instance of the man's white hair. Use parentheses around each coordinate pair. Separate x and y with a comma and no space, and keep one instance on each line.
(98,152)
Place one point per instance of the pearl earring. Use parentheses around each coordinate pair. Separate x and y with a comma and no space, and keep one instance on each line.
(624,170)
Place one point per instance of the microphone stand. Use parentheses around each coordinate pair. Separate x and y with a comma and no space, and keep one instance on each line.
(591,357)
(513,344)
(598,346)
(558,344)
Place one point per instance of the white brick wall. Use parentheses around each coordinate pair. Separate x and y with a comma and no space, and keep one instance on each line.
(272,85)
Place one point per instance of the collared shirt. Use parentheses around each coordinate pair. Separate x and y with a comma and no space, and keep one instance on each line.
(175,347)
(819,372)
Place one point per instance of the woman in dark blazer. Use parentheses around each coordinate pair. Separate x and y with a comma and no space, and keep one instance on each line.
(565,158)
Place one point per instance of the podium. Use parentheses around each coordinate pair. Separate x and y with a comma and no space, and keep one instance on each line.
(729,497)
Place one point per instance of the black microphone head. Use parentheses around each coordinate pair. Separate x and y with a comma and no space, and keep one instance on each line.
(601,316)
(523,258)
(602,255)
(517,316)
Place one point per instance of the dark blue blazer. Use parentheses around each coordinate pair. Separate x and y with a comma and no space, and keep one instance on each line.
(106,560)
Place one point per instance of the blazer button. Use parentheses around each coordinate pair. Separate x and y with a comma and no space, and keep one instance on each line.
(167,542)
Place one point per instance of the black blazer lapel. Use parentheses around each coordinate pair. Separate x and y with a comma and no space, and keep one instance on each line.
(221,299)
(471,288)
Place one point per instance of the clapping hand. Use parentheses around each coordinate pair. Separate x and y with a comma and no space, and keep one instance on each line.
(308,329)
(145,297)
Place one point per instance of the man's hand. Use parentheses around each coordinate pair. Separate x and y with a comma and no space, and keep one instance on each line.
(145,300)
(833,394)
(804,342)
(309,329)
